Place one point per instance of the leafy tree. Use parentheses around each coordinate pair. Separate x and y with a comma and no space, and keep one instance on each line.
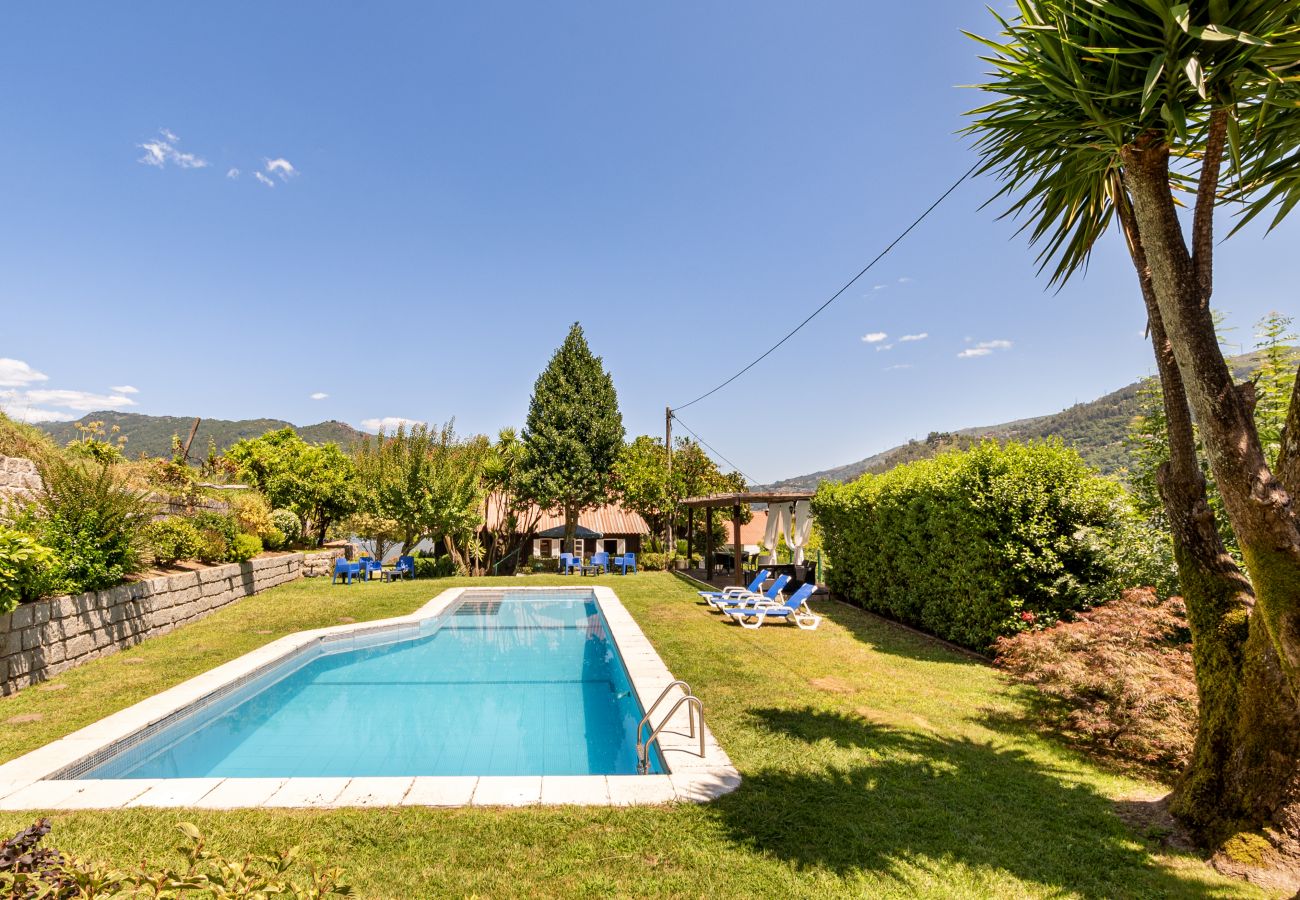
(508,504)
(316,481)
(574,433)
(1102,112)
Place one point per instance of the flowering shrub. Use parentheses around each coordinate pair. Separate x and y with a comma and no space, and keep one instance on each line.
(288,522)
(252,514)
(1118,678)
(976,544)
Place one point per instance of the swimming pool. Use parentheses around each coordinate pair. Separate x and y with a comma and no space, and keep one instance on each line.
(516,662)
(504,683)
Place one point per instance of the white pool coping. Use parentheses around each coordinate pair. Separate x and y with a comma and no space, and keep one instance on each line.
(28,782)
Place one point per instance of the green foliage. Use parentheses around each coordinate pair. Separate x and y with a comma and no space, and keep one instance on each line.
(574,432)
(1275,380)
(547,564)
(20,439)
(430,567)
(94,444)
(171,539)
(93,520)
(244,547)
(511,514)
(1075,82)
(252,513)
(415,484)
(645,485)
(287,521)
(275,539)
(654,562)
(25,569)
(318,482)
(31,871)
(217,533)
(973,545)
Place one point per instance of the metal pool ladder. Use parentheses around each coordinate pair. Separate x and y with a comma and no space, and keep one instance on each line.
(695,710)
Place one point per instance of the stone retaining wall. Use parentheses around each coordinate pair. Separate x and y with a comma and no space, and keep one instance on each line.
(19,480)
(39,640)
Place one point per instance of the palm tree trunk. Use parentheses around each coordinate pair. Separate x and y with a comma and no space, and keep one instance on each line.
(1245,765)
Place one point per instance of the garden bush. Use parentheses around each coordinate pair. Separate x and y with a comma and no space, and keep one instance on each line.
(654,562)
(252,514)
(26,569)
(274,540)
(1118,679)
(287,521)
(431,567)
(977,544)
(547,564)
(244,547)
(171,539)
(94,522)
(217,535)
(29,870)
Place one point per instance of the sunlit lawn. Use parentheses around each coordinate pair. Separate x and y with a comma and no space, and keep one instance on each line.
(875,763)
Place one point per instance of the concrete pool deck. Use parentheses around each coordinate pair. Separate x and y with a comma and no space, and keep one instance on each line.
(45,778)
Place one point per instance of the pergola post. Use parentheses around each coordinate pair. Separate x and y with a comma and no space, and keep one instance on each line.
(708,543)
(735,546)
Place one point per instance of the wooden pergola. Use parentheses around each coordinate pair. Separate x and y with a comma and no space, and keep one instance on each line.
(734,501)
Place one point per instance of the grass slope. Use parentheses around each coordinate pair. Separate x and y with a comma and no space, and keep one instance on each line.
(875,762)
(152,435)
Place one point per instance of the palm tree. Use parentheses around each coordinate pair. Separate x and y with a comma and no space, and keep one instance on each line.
(1104,114)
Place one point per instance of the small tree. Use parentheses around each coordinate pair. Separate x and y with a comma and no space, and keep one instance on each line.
(574,433)
(509,508)
(316,481)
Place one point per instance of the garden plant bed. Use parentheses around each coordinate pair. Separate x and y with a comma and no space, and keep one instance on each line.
(874,761)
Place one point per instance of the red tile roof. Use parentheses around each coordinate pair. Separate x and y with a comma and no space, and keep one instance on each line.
(609,519)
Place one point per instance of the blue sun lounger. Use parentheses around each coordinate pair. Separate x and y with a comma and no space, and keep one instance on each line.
(754,587)
(771,596)
(793,610)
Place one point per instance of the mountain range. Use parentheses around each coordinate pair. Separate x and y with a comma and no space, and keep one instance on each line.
(1096,429)
(152,435)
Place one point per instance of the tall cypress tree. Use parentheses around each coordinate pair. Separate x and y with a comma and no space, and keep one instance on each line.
(574,433)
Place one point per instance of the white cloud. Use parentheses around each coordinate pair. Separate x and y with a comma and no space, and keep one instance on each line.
(906,279)
(262,178)
(16,373)
(125,389)
(281,167)
(21,412)
(388,423)
(874,337)
(162,150)
(879,287)
(85,401)
(984,348)
(232,172)
(899,366)
(880,347)
(319,395)
(920,336)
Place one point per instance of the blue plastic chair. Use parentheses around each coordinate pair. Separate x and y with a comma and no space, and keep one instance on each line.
(406,565)
(625,562)
(370,567)
(345,570)
(566,563)
(601,559)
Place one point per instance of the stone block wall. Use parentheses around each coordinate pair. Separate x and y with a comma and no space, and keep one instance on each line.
(39,640)
(19,480)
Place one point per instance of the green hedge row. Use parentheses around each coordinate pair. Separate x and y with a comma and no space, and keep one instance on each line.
(977,544)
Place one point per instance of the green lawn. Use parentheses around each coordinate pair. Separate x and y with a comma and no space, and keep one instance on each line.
(875,763)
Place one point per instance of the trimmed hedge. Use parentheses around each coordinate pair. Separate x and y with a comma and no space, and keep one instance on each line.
(978,544)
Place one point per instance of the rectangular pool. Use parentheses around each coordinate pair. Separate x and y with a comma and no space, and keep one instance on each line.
(502,683)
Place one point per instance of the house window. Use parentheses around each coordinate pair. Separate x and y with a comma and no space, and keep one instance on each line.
(544,548)
(612,547)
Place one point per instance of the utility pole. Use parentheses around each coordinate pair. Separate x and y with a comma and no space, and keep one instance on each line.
(668,445)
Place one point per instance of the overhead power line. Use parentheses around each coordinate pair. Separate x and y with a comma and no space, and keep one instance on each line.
(879,256)
(710,447)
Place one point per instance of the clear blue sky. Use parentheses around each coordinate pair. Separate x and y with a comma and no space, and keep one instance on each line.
(403,207)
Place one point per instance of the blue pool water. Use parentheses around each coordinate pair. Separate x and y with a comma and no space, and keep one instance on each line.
(522,683)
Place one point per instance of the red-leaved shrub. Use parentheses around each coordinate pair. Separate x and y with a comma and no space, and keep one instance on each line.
(1117,678)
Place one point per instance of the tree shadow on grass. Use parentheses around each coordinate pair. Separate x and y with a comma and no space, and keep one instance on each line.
(886,636)
(898,801)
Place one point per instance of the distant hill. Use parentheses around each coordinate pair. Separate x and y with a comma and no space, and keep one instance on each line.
(1096,429)
(152,435)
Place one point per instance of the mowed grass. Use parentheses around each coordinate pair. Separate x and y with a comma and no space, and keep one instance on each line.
(875,762)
